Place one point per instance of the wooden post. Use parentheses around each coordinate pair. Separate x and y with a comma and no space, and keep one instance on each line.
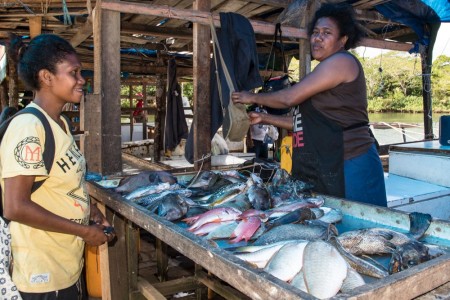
(13,82)
(35,25)
(202,107)
(426,92)
(103,145)
(130,100)
(160,111)
(3,94)
(304,45)
(144,112)
(162,260)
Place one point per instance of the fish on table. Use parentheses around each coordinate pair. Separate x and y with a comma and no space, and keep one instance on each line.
(214,215)
(294,232)
(144,178)
(172,207)
(245,230)
(324,269)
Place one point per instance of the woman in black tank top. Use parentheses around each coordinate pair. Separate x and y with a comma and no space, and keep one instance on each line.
(332,145)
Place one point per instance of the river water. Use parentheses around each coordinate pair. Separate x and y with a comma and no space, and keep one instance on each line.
(397,135)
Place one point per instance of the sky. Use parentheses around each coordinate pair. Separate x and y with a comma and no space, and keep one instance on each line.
(441,47)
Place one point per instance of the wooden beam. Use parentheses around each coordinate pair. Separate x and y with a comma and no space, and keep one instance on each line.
(183,33)
(203,17)
(49,14)
(83,33)
(106,158)
(202,108)
(145,69)
(148,291)
(199,17)
(382,44)
(35,24)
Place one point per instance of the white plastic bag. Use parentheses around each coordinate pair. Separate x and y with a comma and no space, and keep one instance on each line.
(8,289)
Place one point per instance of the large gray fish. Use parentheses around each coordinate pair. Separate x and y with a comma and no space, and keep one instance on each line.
(287,262)
(257,193)
(331,215)
(203,179)
(212,187)
(353,280)
(294,232)
(261,257)
(151,189)
(408,255)
(296,216)
(147,200)
(360,265)
(144,178)
(383,240)
(172,207)
(324,269)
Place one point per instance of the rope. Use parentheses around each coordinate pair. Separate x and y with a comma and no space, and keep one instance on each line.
(402,130)
(67,20)
(26,7)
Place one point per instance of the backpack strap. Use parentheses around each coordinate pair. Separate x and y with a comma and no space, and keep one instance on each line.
(49,147)
(68,121)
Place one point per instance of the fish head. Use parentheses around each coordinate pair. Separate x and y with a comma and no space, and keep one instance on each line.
(408,255)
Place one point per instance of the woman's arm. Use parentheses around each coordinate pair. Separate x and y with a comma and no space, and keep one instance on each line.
(337,69)
(18,207)
(268,119)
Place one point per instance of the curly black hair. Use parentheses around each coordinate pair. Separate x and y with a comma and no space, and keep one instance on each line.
(344,16)
(44,51)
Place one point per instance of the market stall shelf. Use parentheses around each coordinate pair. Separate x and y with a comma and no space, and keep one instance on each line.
(256,283)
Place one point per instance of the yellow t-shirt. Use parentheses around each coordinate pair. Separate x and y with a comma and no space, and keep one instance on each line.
(46,261)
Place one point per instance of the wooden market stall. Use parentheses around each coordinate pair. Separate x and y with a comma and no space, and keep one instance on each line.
(100,30)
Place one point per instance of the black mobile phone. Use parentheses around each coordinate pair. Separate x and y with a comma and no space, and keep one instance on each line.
(109,230)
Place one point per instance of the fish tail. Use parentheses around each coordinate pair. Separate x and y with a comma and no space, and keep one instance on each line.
(419,223)
(190,220)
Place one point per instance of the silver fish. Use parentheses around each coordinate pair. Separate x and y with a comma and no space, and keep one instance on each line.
(203,179)
(299,281)
(151,189)
(287,262)
(324,269)
(144,178)
(331,215)
(257,193)
(261,257)
(293,232)
(353,280)
(172,207)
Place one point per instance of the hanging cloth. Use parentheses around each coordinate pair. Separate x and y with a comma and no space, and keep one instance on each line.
(235,121)
(175,127)
(238,47)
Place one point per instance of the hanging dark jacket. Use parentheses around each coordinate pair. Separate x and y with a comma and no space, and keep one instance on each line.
(238,45)
(175,125)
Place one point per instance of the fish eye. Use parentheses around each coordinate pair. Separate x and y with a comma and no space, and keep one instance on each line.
(411,262)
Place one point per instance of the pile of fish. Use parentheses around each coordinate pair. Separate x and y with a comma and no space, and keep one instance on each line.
(281,227)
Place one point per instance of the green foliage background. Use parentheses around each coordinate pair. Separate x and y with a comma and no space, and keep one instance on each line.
(394,83)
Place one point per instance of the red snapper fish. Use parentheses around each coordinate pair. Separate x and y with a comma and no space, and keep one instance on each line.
(213,216)
(245,229)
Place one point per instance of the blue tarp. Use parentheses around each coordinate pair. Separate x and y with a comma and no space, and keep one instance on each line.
(423,16)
